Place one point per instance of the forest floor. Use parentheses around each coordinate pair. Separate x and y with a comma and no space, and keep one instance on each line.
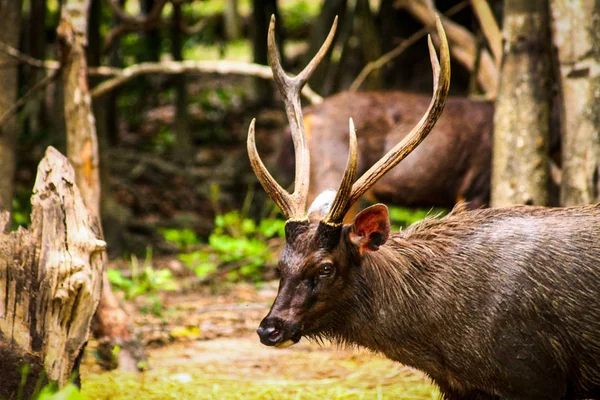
(201,344)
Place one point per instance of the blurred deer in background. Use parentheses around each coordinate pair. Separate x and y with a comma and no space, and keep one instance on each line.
(454,166)
(491,304)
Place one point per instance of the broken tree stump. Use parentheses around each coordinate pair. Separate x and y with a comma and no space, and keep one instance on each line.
(50,282)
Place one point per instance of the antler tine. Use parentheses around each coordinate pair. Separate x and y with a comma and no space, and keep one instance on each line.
(292,205)
(273,189)
(441,84)
(304,76)
(340,205)
(290,89)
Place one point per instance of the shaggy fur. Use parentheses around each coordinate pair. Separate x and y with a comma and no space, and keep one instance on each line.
(491,304)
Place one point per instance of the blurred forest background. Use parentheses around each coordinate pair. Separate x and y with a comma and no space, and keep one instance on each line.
(172,146)
(151,102)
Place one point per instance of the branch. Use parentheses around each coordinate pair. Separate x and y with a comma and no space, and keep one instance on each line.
(27,96)
(130,19)
(120,29)
(25,59)
(174,67)
(131,23)
(196,28)
(489,26)
(395,52)
(463,44)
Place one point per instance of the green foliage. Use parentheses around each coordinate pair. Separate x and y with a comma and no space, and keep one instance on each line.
(164,141)
(144,279)
(402,217)
(155,307)
(297,15)
(21,209)
(69,392)
(237,243)
(183,238)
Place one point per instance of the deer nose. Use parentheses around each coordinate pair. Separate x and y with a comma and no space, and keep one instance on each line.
(269,335)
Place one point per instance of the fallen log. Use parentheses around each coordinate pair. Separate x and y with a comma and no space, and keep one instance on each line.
(50,283)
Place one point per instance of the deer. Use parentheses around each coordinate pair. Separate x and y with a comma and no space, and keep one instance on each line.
(454,166)
(425,179)
(498,303)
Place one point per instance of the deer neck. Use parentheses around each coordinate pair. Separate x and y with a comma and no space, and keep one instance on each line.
(391,310)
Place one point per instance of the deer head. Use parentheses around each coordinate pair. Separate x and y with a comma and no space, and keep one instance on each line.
(322,255)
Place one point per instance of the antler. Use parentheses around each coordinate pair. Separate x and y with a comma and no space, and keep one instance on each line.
(349,193)
(292,205)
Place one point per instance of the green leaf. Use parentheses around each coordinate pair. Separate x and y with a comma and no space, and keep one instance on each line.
(69,392)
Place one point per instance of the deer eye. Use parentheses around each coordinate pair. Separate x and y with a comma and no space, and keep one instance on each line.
(326,270)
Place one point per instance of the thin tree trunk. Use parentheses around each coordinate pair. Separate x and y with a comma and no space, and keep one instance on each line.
(320,29)
(82,142)
(10,10)
(110,108)
(576,27)
(522,117)
(111,323)
(37,49)
(50,277)
(183,146)
(114,215)
(152,38)
(261,15)
(232,20)
(370,42)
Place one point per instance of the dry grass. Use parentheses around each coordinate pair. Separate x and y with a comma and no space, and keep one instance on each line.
(239,368)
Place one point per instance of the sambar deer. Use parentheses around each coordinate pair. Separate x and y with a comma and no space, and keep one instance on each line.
(454,166)
(491,304)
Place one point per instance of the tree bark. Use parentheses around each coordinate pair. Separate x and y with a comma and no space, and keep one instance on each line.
(522,117)
(576,32)
(50,277)
(9,34)
(82,142)
(111,325)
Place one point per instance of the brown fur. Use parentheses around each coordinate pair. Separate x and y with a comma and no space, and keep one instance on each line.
(492,303)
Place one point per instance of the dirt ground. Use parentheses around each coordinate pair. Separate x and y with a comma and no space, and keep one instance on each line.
(203,345)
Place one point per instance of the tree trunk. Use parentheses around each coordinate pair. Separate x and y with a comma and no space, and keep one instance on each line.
(112,323)
(82,142)
(232,20)
(522,117)
(320,29)
(9,34)
(261,15)
(183,146)
(34,109)
(370,42)
(576,29)
(152,39)
(50,277)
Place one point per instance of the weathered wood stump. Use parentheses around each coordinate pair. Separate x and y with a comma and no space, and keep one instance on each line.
(50,282)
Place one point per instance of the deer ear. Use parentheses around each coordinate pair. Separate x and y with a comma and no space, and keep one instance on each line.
(371,228)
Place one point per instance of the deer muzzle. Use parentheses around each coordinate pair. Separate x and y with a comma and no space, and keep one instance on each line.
(276,332)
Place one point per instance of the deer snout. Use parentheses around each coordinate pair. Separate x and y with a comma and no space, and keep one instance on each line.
(276,332)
